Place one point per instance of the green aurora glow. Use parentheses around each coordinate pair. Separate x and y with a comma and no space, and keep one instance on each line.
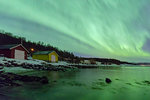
(99,28)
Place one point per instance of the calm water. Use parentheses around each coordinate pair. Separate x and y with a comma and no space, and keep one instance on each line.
(86,84)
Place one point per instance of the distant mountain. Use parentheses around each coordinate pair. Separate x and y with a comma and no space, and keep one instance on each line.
(108,61)
(146,64)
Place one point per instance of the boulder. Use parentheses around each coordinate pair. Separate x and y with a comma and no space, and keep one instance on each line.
(1,64)
(10,79)
(107,80)
(44,80)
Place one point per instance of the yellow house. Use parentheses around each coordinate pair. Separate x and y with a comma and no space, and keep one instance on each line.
(51,56)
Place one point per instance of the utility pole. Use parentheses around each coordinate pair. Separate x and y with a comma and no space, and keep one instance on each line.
(21,40)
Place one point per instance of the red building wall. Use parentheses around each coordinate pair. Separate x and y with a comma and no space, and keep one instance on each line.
(11,53)
(6,53)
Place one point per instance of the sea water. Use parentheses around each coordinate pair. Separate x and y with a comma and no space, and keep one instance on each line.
(128,83)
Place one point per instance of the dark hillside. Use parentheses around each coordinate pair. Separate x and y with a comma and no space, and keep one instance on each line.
(8,38)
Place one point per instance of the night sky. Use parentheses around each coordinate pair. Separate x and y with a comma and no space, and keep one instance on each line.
(98,28)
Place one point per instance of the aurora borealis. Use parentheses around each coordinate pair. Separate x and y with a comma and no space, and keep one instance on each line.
(99,28)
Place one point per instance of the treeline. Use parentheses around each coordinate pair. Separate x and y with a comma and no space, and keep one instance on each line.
(8,38)
(107,61)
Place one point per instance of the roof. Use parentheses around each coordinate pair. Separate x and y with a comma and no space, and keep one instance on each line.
(8,46)
(11,46)
(43,52)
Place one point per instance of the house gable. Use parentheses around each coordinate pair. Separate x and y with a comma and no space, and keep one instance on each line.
(18,46)
(53,52)
(10,50)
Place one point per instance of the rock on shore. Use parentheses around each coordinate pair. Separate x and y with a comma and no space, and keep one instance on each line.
(9,79)
(34,64)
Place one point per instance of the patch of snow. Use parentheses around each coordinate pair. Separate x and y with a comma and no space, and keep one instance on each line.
(84,64)
(60,63)
(31,61)
(30,58)
(16,69)
(98,63)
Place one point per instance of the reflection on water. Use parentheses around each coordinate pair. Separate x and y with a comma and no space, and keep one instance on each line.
(128,83)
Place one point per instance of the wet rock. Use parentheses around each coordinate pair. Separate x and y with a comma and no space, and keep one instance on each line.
(55,81)
(138,83)
(128,83)
(74,83)
(146,82)
(23,64)
(100,79)
(9,79)
(100,84)
(5,81)
(107,80)
(96,88)
(44,80)
(4,59)
(15,84)
(26,78)
(1,64)
(1,71)
(14,64)
(7,64)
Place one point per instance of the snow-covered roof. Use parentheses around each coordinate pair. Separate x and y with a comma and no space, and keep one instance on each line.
(8,46)
(11,46)
(43,52)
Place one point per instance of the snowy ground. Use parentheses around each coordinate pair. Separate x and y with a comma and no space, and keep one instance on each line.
(5,61)
(41,62)
(16,69)
(31,61)
(37,62)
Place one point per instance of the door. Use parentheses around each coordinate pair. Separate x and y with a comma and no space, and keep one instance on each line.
(19,54)
(53,58)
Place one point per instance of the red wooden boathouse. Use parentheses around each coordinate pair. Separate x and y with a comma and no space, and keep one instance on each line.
(15,51)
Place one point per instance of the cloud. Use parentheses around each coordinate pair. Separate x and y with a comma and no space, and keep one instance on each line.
(146,46)
(102,28)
